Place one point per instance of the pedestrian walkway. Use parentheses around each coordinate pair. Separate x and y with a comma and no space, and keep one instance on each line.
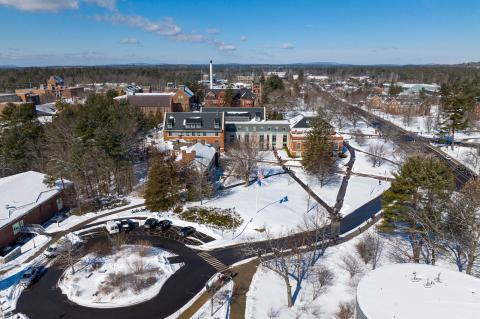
(212,261)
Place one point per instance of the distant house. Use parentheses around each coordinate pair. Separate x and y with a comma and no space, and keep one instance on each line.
(25,199)
(241,97)
(299,129)
(54,89)
(151,104)
(195,127)
(182,99)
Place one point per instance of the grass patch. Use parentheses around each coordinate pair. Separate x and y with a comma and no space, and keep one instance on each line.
(226,219)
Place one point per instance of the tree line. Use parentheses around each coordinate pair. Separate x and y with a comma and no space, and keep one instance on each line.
(93,145)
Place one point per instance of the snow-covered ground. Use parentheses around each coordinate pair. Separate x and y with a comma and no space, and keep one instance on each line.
(418,124)
(468,156)
(361,190)
(267,297)
(74,220)
(130,275)
(220,308)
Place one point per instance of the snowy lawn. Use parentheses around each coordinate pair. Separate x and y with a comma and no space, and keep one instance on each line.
(360,190)
(126,276)
(278,218)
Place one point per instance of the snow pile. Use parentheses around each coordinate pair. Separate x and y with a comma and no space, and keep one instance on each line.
(129,275)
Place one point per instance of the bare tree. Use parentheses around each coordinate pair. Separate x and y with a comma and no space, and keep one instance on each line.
(69,255)
(370,248)
(350,263)
(429,122)
(323,278)
(359,137)
(243,157)
(463,226)
(377,152)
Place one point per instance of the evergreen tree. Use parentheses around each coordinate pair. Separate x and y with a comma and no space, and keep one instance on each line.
(318,158)
(416,200)
(163,186)
(228,98)
(455,107)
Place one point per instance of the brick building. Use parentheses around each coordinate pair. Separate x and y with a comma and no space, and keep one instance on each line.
(182,99)
(241,97)
(151,104)
(25,199)
(194,127)
(299,128)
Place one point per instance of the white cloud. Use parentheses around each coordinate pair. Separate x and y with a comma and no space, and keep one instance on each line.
(164,27)
(56,5)
(41,5)
(287,45)
(213,31)
(243,38)
(131,41)
(226,47)
(167,27)
(108,4)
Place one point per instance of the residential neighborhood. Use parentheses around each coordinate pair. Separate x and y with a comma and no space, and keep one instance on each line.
(187,160)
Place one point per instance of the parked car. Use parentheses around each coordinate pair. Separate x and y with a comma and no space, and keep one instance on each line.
(29,276)
(51,251)
(112,227)
(150,223)
(186,231)
(127,224)
(164,224)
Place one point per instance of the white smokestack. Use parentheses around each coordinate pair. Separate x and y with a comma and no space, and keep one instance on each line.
(211,75)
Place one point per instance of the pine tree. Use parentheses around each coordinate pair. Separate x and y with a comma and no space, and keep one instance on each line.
(416,200)
(163,186)
(318,156)
(228,98)
(455,107)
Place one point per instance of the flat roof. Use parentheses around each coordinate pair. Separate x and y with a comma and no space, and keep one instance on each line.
(405,291)
(20,193)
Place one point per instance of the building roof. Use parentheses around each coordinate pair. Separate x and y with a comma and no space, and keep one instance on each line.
(405,291)
(22,192)
(204,154)
(148,99)
(193,121)
(238,93)
(301,121)
(46,109)
(239,114)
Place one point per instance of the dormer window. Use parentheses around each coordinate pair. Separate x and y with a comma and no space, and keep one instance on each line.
(193,123)
(217,124)
(170,122)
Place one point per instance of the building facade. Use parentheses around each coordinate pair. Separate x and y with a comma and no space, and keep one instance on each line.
(241,97)
(195,127)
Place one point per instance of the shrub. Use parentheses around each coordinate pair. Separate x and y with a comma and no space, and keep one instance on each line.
(346,310)
(226,219)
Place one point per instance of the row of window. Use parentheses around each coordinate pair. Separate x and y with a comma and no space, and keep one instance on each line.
(261,139)
(193,134)
(261,128)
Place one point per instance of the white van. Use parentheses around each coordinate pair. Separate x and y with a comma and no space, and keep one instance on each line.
(112,227)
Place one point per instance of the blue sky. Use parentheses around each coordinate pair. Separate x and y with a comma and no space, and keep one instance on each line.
(89,32)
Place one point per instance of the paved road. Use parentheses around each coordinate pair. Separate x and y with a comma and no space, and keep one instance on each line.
(44,300)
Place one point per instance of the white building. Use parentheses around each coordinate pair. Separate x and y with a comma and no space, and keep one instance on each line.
(407,291)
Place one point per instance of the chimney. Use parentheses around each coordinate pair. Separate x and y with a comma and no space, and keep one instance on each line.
(211,75)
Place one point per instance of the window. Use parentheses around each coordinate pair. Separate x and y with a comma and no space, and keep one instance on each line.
(59,203)
(216,133)
(283,129)
(232,138)
(204,133)
(284,140)
(217,123)
(262,138)
(247,138)
(274,140)
(298,146)
(16,227)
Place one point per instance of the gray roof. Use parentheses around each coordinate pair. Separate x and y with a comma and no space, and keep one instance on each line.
(239,114)
(242,93)
(153,100)
(198,121)
(304,122)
